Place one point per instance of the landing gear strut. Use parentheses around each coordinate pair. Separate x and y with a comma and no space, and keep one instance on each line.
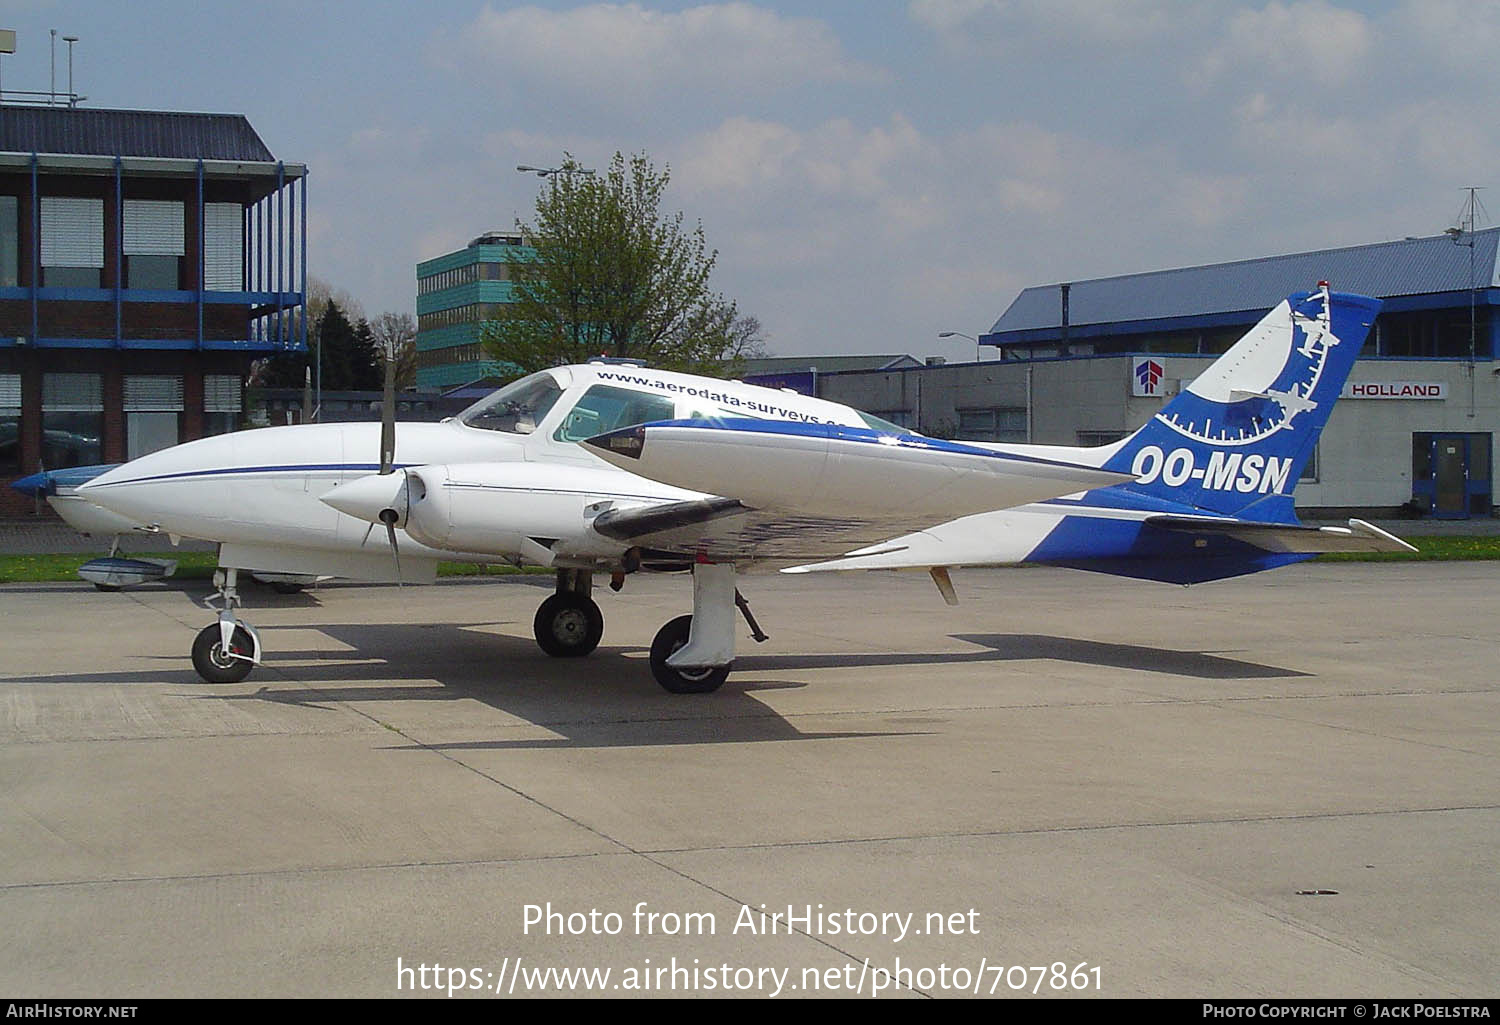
(569,623)
(693,654)
(226,651)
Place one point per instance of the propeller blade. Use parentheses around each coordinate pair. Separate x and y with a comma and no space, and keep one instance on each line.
(388,417)
(389,517)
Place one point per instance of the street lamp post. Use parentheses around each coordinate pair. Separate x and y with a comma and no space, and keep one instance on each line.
(553,172)
(978,356)
(547,172)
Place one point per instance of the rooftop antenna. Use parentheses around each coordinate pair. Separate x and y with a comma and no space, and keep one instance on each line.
(72,96)
(7,45)
(1462,234)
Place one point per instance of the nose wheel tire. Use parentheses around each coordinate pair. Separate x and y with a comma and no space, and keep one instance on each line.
(568,625)
(214,664)
(682,681)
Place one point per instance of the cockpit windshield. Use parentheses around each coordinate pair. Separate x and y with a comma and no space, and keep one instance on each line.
(517,408)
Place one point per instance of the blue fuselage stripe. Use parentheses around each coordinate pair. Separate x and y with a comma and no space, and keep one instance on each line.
(247,470)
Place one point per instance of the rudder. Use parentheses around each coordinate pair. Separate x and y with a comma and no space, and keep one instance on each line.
(1235,440)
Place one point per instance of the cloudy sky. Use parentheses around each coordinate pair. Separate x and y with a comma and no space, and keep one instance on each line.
(872,172)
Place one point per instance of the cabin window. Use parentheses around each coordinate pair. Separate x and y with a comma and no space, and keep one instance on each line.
(603,409)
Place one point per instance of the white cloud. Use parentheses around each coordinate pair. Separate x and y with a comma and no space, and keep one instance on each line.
(969,24)
(1460,34)
(740,153)
(893,231)
(1304,42)
(625,53)
(1432,144)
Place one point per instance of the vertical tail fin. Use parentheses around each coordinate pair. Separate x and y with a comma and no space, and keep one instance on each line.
(1234,440)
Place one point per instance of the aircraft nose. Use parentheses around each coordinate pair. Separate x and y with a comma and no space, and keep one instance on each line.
(366,498)
(148,488)
(98,490)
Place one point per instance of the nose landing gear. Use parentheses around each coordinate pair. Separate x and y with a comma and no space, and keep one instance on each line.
(226,651)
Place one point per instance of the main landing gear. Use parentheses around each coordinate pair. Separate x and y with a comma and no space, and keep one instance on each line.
(569,624)
(226,651)
(693,654)
(690,654)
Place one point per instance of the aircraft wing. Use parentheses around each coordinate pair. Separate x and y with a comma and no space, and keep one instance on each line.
(727,530)
(808,491)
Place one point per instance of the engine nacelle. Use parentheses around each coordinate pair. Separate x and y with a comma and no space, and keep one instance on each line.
(497,507)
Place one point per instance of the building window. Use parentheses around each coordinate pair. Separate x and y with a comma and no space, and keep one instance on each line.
(163,273)
(72,242)
(223,401)
(10,242)
(153,244)
(153,413)
(72,420)
(1434,333)
(10,425)
(1093,439)
(1310,468)
(223,247)
(1004,423)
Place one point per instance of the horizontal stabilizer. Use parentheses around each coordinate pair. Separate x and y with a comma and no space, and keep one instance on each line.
(1298,539)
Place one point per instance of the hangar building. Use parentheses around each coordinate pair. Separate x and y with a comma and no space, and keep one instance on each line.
(1089,361)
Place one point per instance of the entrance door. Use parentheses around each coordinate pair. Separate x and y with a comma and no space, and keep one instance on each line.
(1450,476)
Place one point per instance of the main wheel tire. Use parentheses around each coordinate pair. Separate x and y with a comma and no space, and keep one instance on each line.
(682,681)
(568,625)
(286,587)
(213,664)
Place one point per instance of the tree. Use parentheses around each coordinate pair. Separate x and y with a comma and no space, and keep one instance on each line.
(745,340)
(396,333)
(608,274)
(349,358)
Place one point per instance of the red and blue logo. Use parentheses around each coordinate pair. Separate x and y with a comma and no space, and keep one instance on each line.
(1148,375)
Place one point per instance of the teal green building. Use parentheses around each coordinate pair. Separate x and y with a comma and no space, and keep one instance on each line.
(456,294)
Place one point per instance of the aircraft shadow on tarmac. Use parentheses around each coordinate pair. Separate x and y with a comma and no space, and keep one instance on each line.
(608,699)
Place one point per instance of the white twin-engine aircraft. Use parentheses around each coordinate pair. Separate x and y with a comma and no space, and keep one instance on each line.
(610,469)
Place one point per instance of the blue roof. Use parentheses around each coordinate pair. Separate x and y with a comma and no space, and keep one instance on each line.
(1410,267)
(130,133)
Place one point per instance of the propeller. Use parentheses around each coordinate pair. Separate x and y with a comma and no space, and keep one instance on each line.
(389,518)
(388,417)
(388,453)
